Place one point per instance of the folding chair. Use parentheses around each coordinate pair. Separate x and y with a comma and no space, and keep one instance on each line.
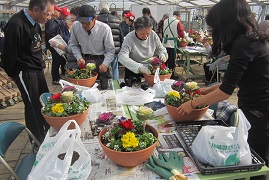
(44,98)
(219,67)
(9,131)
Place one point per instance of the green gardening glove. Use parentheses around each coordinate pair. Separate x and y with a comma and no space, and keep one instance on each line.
(172,163)
(164,173)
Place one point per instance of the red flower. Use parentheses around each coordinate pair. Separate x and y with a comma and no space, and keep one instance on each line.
(81,66)
(56,97)
(163,66)
(127,124)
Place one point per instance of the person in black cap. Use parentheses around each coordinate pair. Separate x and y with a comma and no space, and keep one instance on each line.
(93,40)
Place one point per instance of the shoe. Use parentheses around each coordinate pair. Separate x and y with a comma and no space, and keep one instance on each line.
(55,83)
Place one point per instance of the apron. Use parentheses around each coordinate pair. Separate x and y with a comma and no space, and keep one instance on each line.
(173,38)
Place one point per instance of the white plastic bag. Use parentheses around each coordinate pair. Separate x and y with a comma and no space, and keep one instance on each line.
(92,94)
(223,146)
(49,166)
(134,96)
(161,87)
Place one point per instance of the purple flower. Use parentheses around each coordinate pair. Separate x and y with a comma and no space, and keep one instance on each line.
(178,83)
(156,62)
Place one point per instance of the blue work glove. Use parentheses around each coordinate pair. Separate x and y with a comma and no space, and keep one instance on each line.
(173,163)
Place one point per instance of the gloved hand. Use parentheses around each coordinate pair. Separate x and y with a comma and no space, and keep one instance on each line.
(144,69)
(159,170)
(163,58)
(173,163)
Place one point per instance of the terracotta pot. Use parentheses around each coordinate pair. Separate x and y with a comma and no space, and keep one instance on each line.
(129,159)
(198,39)
(58,122)
(84,82)
(196,114)
(182,44)
(150,78)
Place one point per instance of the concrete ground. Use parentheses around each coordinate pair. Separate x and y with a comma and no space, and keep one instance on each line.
(21,146)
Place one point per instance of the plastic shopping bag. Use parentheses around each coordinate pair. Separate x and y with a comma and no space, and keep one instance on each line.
(223,146)
(161,87)
(62,156)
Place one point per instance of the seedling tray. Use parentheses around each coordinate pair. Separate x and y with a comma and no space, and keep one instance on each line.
(187,133)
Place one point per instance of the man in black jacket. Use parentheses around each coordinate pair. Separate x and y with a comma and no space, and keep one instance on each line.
(114,23)
(23,63)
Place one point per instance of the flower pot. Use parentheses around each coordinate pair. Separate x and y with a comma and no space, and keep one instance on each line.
(150,78)
(182,44)
(129,159)
(196,114)
(89,82)
(198,39)
(58,122)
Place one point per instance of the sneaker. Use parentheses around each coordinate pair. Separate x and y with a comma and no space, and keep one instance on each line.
(55,83)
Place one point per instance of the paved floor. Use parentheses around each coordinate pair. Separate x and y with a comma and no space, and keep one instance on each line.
(16,113)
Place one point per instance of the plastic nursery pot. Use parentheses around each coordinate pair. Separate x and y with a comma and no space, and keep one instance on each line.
(58,122)
(196,114)
(89,82)
(150,78)
(129,159)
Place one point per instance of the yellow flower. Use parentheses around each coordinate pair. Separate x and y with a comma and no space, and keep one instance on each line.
(129,140)
(192,85)
(58,108)
(91,66)
(174,93)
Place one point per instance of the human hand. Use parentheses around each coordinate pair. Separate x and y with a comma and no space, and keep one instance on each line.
(81,62)
(185,108)
(102,68)
(163,58)
(144,69)
(164,173)
(53,44)
(204,90)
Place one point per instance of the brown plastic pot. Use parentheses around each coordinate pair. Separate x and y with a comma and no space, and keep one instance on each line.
(196,114)
(89,82)
(150,78)
(129,159)
(58,122)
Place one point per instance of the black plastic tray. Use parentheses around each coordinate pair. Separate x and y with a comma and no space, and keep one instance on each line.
(188,131)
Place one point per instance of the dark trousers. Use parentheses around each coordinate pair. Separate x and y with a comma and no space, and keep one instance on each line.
(128,73)
(57,61)
(102,76)
(170,63)
(31,86)
(258,136)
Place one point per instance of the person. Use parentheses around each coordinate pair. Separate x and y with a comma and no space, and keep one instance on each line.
(114,23)
(146,12)
(267,17)
(248,69)
(73,13)
(23,63)
(160,26)
(140,45)
(65,33)
(93,40)
(52,29)
(172,30)
(114,13)
(127,25)
(264,26)
(71,60)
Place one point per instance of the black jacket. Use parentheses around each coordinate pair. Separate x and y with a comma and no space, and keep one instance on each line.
(114,23)
(22,46)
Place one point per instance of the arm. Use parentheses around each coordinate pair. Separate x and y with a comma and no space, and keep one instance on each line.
(180,30)
(160,49)
(10,48)
(124,57)
(109,47)
(74,44)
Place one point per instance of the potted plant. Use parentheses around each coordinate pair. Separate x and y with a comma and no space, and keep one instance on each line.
(64,106)
(127,143)
(183,42)
(83,76)
(184,92)
(154,64)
